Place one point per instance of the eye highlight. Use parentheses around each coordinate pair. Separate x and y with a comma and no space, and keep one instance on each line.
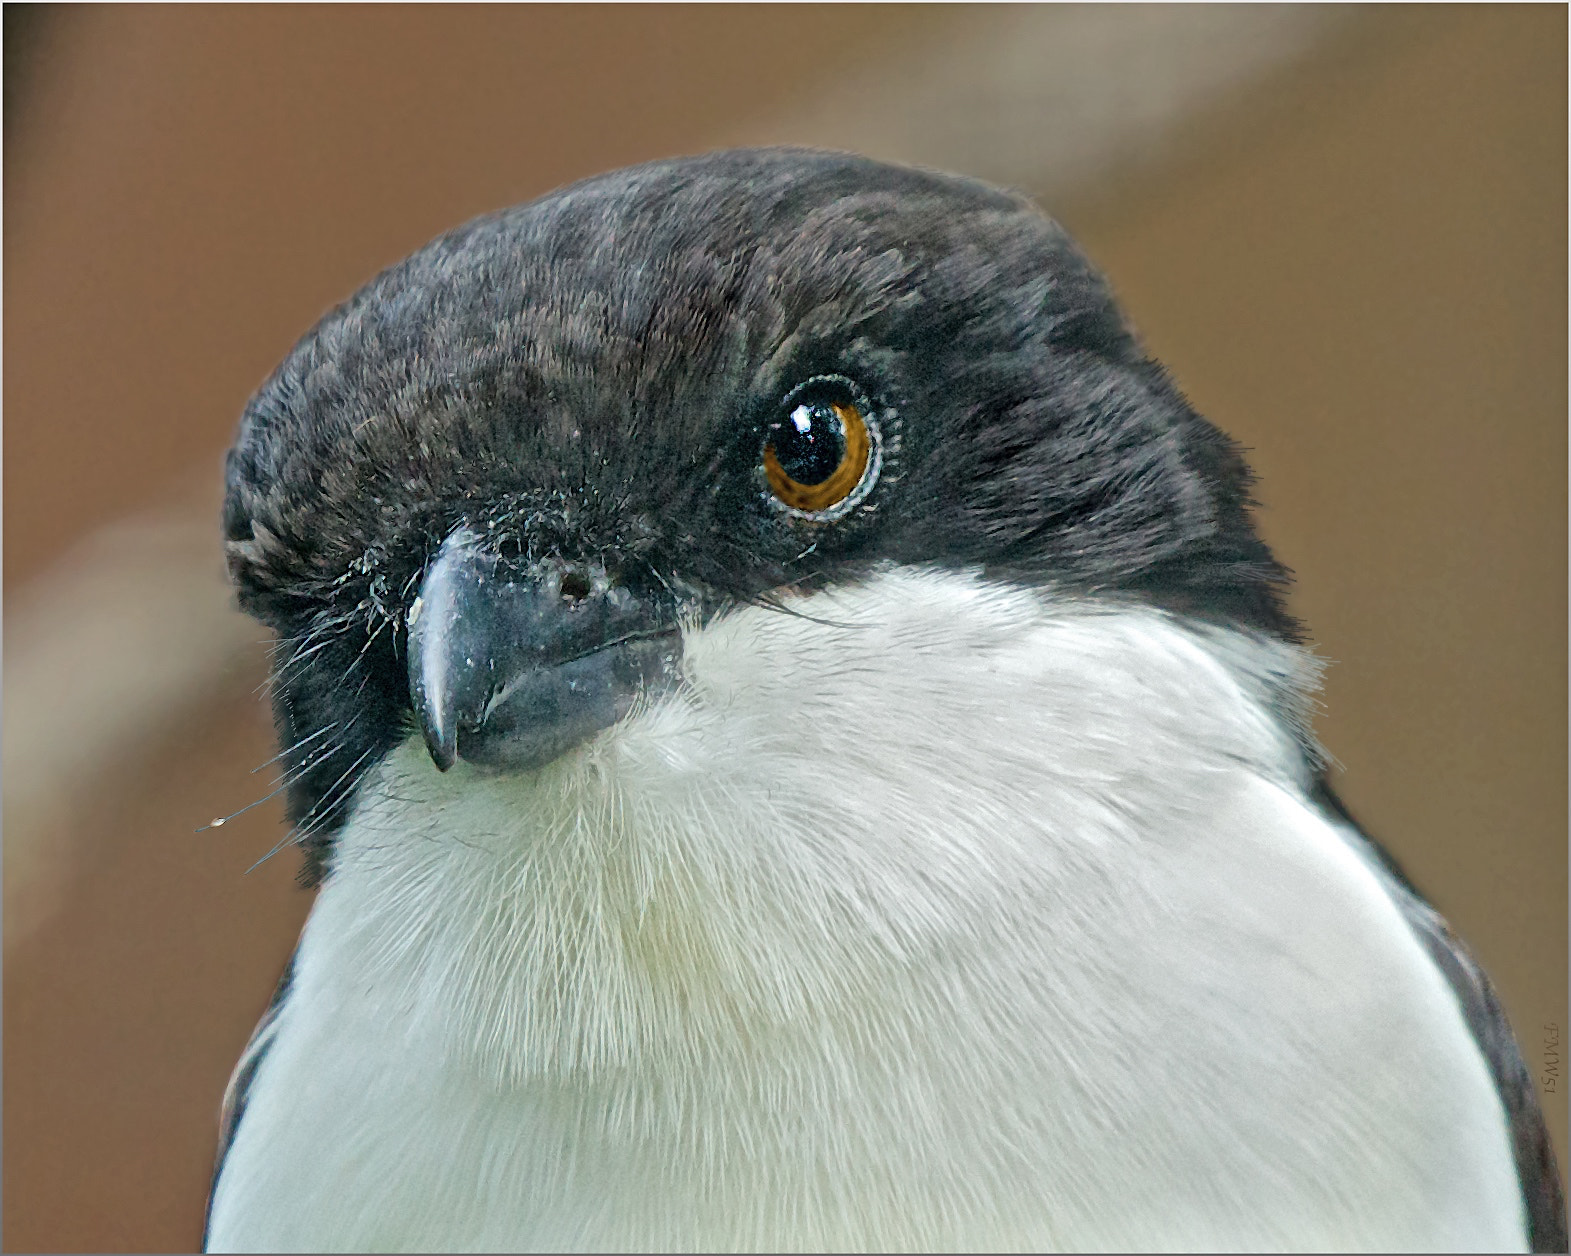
(821,456)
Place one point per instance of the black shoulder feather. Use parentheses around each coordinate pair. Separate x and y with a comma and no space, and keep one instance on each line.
(240,1082)
(1543,1197)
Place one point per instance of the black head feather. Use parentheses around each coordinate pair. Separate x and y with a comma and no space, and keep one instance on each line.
(591,376)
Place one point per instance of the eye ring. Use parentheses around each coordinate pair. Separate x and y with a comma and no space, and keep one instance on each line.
(822,456)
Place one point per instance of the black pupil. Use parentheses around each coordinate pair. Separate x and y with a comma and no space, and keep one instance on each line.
(811,444)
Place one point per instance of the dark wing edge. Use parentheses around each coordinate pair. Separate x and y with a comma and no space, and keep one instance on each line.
(1543,1197)
(239,1089)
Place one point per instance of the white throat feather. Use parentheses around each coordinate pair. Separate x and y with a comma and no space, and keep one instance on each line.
(928,916)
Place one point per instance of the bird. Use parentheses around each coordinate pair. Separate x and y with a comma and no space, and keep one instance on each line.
(800,745)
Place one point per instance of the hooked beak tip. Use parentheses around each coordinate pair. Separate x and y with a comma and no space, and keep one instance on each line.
(443,747)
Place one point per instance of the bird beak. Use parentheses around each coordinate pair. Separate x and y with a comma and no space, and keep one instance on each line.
(512,665)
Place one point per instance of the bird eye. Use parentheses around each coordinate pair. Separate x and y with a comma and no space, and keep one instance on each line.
(821,455)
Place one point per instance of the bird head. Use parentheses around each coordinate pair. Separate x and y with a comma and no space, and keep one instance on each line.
(488,501)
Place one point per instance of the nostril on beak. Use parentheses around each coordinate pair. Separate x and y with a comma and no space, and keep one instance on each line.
(575,587)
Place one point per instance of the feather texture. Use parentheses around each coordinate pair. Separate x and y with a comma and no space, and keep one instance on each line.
(942,914)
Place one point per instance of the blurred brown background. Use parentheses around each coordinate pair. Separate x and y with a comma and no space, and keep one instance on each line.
(1344,229)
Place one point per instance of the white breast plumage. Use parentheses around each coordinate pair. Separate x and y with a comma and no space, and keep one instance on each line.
(934,914)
